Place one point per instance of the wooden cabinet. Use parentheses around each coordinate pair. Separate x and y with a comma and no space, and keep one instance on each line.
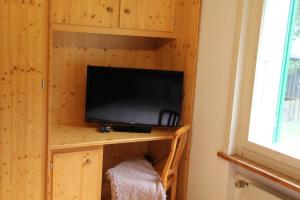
(154,18)
(23,100)
(155,15)
(70,53)
(77,175)
(103,13)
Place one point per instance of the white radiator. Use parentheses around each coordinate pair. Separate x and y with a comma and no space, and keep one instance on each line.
(247,190)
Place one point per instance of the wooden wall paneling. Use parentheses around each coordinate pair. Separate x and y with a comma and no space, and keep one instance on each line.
(191,38)
(115,154)
(103,13)
(155,15)
(23,53)
(49,162)
(72,52)
(159,151)
(172,53)
(5,106)
(77,175)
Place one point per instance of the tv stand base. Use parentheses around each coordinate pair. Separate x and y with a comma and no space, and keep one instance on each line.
(132,128)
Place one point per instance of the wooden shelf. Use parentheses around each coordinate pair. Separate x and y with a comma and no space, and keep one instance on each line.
(112,31)
(70,136)
(259,169)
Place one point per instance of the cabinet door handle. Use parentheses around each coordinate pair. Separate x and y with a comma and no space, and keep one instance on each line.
(109,9)
(126,10)
(88,161)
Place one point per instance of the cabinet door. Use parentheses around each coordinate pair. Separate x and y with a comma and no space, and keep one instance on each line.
(154,15)
(77,175)
(23,102)
(102,13)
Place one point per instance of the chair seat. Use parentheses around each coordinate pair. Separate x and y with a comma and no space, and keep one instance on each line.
(135,180)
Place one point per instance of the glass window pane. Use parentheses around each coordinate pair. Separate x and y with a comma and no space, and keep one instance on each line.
(275,111)
(268,71)
(289,121)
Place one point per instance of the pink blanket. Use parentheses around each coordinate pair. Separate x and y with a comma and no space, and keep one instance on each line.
(135,180)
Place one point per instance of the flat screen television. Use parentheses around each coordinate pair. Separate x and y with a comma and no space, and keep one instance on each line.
(127,96)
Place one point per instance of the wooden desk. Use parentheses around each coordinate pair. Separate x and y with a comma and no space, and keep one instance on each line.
(76,157)
(66,136)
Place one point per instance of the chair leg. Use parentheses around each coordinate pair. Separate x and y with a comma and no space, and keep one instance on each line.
(173,188)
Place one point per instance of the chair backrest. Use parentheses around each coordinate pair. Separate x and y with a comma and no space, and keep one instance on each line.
(177,147)
(173,117)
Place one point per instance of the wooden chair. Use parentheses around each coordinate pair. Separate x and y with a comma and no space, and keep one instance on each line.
(170,169)
(173,117)
(169,174)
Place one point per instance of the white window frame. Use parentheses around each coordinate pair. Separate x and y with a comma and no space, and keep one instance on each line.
(246,53)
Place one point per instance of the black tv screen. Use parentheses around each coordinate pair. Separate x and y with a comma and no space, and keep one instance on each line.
(133,96)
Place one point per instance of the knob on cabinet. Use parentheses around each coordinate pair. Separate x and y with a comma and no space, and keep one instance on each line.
(109,9)
(88,161)
(126,10)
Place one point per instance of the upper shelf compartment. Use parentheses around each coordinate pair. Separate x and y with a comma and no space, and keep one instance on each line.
(153,18)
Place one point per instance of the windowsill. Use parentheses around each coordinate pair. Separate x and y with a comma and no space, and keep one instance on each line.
(268,173)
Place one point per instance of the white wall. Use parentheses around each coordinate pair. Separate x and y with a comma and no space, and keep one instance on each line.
(211,178)
(209,175)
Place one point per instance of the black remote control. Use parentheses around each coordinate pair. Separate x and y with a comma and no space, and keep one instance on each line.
(104,129)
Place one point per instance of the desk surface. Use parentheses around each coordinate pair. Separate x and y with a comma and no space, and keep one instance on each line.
(70,136)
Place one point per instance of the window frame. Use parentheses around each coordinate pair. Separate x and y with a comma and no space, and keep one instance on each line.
(252,12)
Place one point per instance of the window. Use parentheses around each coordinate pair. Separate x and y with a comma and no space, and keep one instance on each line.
(275,112)
(270,92)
